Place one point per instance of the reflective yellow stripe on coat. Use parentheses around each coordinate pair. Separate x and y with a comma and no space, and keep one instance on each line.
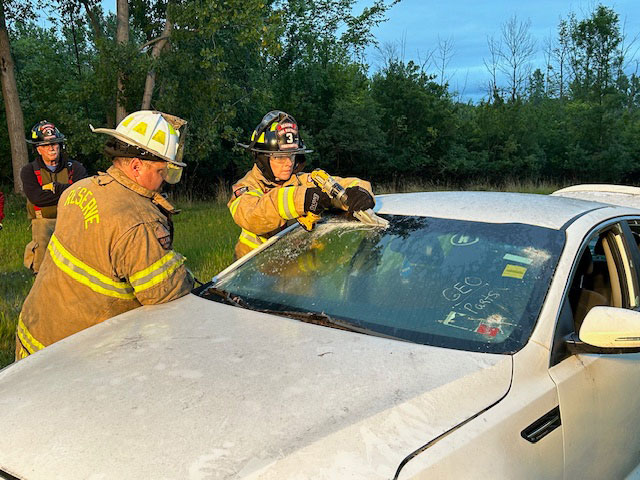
(251,240)
(30,344)
(84,274)
(157,272)
(99,283)
(286,204)
(234,205)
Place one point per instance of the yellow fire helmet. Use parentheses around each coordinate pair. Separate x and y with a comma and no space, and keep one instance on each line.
(160,134)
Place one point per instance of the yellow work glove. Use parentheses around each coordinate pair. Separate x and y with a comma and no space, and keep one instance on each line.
(49,186)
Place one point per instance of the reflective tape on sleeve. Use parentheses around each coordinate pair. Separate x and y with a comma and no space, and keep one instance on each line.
(87,276)
(234,206)
(236,203)
(157,272)
(286,203)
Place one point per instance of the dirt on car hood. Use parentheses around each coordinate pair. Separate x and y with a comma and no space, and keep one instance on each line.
(199,390)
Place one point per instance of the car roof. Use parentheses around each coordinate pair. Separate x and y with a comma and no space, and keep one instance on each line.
(551,211)
(622,195)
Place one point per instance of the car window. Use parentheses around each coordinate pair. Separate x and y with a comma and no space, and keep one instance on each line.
(458,284)
(633,242)
(603,275)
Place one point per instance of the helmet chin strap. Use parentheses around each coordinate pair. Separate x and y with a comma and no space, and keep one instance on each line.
(262,161)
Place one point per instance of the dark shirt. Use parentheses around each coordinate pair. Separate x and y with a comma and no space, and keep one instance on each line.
(45,198)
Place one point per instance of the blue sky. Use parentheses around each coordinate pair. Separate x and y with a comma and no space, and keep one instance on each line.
(417,24)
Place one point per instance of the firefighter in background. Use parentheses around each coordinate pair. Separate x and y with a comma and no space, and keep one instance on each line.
(43,181)
(274,192)
(111,250)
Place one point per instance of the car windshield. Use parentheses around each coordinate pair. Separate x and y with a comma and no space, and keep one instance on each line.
(456,284)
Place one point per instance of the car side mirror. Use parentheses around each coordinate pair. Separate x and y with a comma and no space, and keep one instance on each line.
(610,327)
(607,330)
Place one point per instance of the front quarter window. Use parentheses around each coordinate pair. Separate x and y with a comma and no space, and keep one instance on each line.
(457,284)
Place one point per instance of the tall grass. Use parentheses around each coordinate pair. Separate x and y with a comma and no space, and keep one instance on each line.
(204,233)
(15,280)
(509,185)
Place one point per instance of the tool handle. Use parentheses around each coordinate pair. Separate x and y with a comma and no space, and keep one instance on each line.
(308,221)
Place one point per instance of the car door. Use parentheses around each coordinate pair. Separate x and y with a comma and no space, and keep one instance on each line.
(599,394)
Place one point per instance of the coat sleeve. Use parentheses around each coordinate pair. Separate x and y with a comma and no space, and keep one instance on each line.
(260,212)
(145,258)
(1,207)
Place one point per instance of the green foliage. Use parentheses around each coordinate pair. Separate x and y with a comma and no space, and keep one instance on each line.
(229,62)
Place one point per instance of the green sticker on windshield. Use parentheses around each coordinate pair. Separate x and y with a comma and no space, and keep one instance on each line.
(517,258)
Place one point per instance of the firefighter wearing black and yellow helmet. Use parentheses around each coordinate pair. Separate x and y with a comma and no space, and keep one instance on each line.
(43,182)
(111,250)
(274,192)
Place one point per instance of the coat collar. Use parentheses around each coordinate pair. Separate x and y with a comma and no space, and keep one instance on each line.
(120,177)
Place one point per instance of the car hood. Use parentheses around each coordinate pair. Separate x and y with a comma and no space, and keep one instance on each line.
(200,390)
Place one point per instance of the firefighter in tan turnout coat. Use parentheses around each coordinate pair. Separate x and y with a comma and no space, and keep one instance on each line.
(273,194)
(111,250)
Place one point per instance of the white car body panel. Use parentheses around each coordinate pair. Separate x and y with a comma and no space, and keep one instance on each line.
(251,392)
(486,448)
(492,207)
(614,194)
(599,404)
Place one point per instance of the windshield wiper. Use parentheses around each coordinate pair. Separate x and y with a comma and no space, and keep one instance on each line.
(308,317)
(228,297)
(326,321)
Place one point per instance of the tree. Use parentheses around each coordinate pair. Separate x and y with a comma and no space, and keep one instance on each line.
(517,48)
(122,38)
(13,109)
(596,55)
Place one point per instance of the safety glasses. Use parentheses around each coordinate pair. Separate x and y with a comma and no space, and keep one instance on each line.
(172,173)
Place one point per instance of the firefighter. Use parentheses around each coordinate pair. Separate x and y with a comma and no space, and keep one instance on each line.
(274,192)
(43,181)
(111,250)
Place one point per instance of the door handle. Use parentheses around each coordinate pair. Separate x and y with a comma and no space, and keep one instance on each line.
(543,426)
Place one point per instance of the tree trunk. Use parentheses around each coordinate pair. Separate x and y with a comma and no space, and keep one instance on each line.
(150,82)
(95,24)
(122,38)
(15,120)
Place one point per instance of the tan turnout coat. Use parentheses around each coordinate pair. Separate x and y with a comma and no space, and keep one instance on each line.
(111,252)
(262,208)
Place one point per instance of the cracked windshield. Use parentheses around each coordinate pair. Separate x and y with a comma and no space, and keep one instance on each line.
(457,284)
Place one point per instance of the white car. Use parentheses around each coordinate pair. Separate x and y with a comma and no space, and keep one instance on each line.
(480,335)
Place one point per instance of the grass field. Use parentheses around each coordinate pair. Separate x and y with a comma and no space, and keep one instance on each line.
(204,233)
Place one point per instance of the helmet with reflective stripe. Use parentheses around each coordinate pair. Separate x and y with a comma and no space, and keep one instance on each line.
(276,136)
(149,135)
(45,133)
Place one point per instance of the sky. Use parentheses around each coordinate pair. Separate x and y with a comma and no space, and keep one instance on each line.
(415,26)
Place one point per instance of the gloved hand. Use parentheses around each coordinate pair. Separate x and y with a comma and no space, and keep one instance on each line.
(315,200)
(49,186)
(358,199)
